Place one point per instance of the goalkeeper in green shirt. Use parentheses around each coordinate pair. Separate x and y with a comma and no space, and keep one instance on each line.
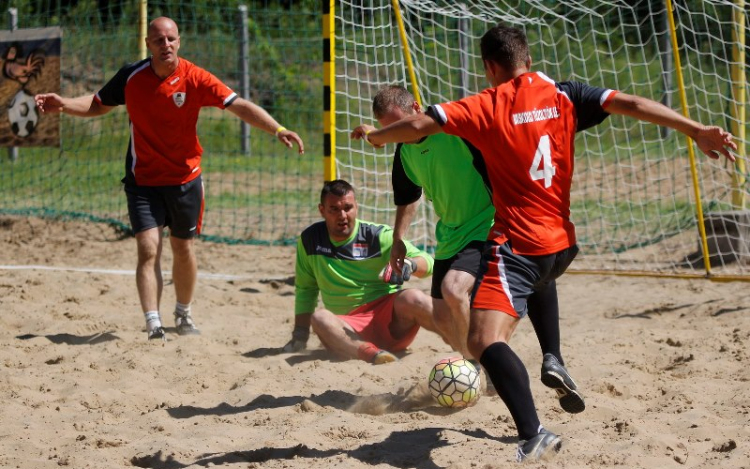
(452,175)
(366,314)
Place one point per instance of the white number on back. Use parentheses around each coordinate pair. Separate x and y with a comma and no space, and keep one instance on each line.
(542,167)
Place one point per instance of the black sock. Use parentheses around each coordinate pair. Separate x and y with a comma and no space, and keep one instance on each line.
(544,314)
(511,381)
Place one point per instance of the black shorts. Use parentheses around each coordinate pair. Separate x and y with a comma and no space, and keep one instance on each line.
(507,279)
(178,207)
(467,260)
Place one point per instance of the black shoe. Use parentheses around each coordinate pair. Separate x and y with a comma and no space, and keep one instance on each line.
(555,376)
(544,445)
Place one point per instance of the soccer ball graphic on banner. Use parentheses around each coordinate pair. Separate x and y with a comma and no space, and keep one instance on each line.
(454,382)
(22,114)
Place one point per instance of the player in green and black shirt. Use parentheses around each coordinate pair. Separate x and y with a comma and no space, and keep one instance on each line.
(364,314)
(451,173)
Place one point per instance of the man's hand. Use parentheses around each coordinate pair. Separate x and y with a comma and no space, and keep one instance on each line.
(49,102)
(360,133)
(300,334)
(714,141)
(390,276)
(287,137)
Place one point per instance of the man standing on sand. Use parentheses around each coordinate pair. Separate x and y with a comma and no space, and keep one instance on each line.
(163,95)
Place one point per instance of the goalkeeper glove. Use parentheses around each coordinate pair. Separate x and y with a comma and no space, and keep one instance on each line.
(389,276)
(300,334)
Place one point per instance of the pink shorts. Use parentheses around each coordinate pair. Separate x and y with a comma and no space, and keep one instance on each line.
(372,322)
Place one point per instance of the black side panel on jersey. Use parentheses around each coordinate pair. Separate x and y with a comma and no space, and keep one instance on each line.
(479,165)
(365,245)
(113,92)
(405,191)
(587,102)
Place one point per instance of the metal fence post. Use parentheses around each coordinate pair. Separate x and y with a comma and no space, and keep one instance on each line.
(244,75)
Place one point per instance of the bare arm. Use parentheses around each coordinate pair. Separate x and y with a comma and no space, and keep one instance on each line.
(260,118)
(711,140)
(408,129)
(404,217)
(82,106)
(422,266)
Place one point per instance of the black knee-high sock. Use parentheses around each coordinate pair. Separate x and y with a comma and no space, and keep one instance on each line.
(512,384)
(544,314)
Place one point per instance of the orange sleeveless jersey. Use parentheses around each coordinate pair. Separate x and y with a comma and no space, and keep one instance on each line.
(525,129)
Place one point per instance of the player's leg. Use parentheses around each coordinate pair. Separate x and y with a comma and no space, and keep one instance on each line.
(543,308)
(497,307)
(456,287)
(341,335)
(185,209)
(441,311)
(544,313)
(147,217)
(412,308)
(148,276)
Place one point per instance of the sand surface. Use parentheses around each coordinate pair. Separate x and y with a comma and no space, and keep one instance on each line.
(663,365)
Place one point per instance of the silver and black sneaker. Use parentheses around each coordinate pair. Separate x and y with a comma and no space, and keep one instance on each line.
(543,446)
(185,325)
(157,332)
(555,376)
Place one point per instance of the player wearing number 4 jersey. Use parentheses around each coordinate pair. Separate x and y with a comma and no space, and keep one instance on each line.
(525,127)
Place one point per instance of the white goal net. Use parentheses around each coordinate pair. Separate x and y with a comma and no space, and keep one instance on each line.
(633,199)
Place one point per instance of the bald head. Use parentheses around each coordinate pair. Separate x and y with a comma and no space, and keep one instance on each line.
(163,41)
(161,23)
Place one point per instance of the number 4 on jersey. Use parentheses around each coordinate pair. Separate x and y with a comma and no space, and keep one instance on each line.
(541,167)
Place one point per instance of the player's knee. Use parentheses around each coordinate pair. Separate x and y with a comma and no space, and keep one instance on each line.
(320,320)
(411,299)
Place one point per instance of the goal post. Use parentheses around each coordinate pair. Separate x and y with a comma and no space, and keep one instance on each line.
(634,197)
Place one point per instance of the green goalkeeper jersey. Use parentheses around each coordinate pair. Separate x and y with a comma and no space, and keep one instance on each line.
(345,273)
(452,173)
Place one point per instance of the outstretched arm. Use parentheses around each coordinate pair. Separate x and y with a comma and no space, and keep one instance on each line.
(258,117)
(408,129)
(712,140)
(82,106)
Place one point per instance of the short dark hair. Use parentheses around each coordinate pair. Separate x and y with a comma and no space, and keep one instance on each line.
(392,96)
(506,46)
(337,187)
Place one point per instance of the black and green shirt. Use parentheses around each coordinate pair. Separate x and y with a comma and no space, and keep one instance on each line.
(451,172)
(345,273)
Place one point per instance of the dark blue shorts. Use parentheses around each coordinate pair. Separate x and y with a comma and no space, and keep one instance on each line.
(178,207)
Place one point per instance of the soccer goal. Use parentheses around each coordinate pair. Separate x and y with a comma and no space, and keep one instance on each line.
(637,195)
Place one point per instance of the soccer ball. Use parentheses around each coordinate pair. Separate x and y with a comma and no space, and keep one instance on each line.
(22,114)
(454,382)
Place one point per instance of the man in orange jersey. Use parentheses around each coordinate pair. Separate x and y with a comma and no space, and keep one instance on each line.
(164,95)
(525,127)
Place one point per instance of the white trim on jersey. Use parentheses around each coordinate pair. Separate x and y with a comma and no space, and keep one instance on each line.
(229,98)
(146,64)
(132,150)
(441,114)
(603,98)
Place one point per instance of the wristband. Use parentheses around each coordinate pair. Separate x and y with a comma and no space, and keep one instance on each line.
(280,129)
(367,138)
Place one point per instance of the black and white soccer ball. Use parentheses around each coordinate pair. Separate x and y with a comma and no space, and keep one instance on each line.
(22,114)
